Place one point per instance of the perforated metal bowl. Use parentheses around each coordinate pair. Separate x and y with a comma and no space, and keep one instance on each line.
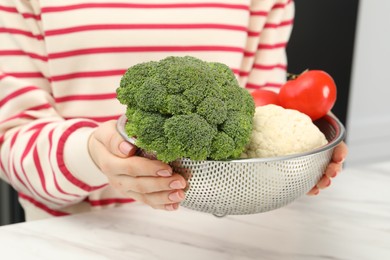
(249,186)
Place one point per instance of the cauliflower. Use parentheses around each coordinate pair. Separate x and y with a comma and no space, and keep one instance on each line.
(278,131)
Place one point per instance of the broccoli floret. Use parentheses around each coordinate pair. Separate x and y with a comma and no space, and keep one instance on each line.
(237,125)
(133,79)
(183,107)
(147,128)
(188,136)
(222,146)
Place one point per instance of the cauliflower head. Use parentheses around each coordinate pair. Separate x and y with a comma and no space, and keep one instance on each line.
(278,131)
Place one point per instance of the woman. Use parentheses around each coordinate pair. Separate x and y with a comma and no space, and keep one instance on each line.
(60,64)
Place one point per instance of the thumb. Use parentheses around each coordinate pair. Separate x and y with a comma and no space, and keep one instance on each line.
(113,141)
(126,149)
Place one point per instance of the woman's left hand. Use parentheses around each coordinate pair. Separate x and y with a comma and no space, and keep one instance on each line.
(334,168)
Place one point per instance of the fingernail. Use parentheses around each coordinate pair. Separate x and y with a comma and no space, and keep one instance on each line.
(175,196)
(176,185)
(328,183)
(164,173)
(171,207)
(341,160)
(335,174)
(125,148)
(313,191)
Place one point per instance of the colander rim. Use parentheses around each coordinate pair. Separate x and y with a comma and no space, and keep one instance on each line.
(330,118)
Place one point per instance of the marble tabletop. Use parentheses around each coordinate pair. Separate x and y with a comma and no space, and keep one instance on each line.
(349,221)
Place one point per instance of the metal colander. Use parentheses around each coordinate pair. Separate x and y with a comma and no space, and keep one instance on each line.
(249,186)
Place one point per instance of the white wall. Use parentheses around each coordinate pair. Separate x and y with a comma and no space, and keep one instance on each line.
(368,123)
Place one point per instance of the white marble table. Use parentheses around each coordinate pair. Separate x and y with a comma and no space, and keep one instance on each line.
(349,221)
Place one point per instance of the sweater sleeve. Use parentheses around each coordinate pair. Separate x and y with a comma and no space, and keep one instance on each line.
(42,155)
(265,61)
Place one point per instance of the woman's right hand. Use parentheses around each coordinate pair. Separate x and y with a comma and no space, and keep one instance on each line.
(149,181)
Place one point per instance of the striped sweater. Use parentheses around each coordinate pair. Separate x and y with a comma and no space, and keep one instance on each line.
(61,62)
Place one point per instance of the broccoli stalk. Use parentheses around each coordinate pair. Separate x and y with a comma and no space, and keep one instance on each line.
(183,107)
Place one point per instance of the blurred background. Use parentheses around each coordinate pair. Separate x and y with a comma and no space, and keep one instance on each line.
(349,39)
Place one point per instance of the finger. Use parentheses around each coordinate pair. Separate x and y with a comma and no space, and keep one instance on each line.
(340,153)
(333,169)
(158,200)
(132,166)
(171,207)
(150,184)
(139,166)
(113,141)
(314,191)
(324,182)
(168,207)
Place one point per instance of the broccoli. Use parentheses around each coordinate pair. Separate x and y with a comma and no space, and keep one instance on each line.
(184,107)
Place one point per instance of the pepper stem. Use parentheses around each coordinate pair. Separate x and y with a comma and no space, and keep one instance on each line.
(291,76)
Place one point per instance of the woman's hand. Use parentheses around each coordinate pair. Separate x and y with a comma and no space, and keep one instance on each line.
(334,168)
(149,181)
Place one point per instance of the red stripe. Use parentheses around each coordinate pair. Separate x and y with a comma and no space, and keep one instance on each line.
(42,176)
(10,163)
(259,13)
(235,71)
(25,114)
(15,11)
(97,119)
(253,34)
(88,74)
(19,115)
(42,206)
(13,140)
(37,126)
(142,27)
(17,93)
(86,97)
(283,23)
(22,53)
(21,32)
(27,149)
(4,171)
(25,74)
(146,6)
(244,73)
(58,187)
(18,177)
(268,84)
(272,26)
(66,54)
(2,139)
(249,54)
(272,46)
(104,202)
(8,9)
(39,107)
(282,5)
(60,159)
(269,67)
(32,16)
